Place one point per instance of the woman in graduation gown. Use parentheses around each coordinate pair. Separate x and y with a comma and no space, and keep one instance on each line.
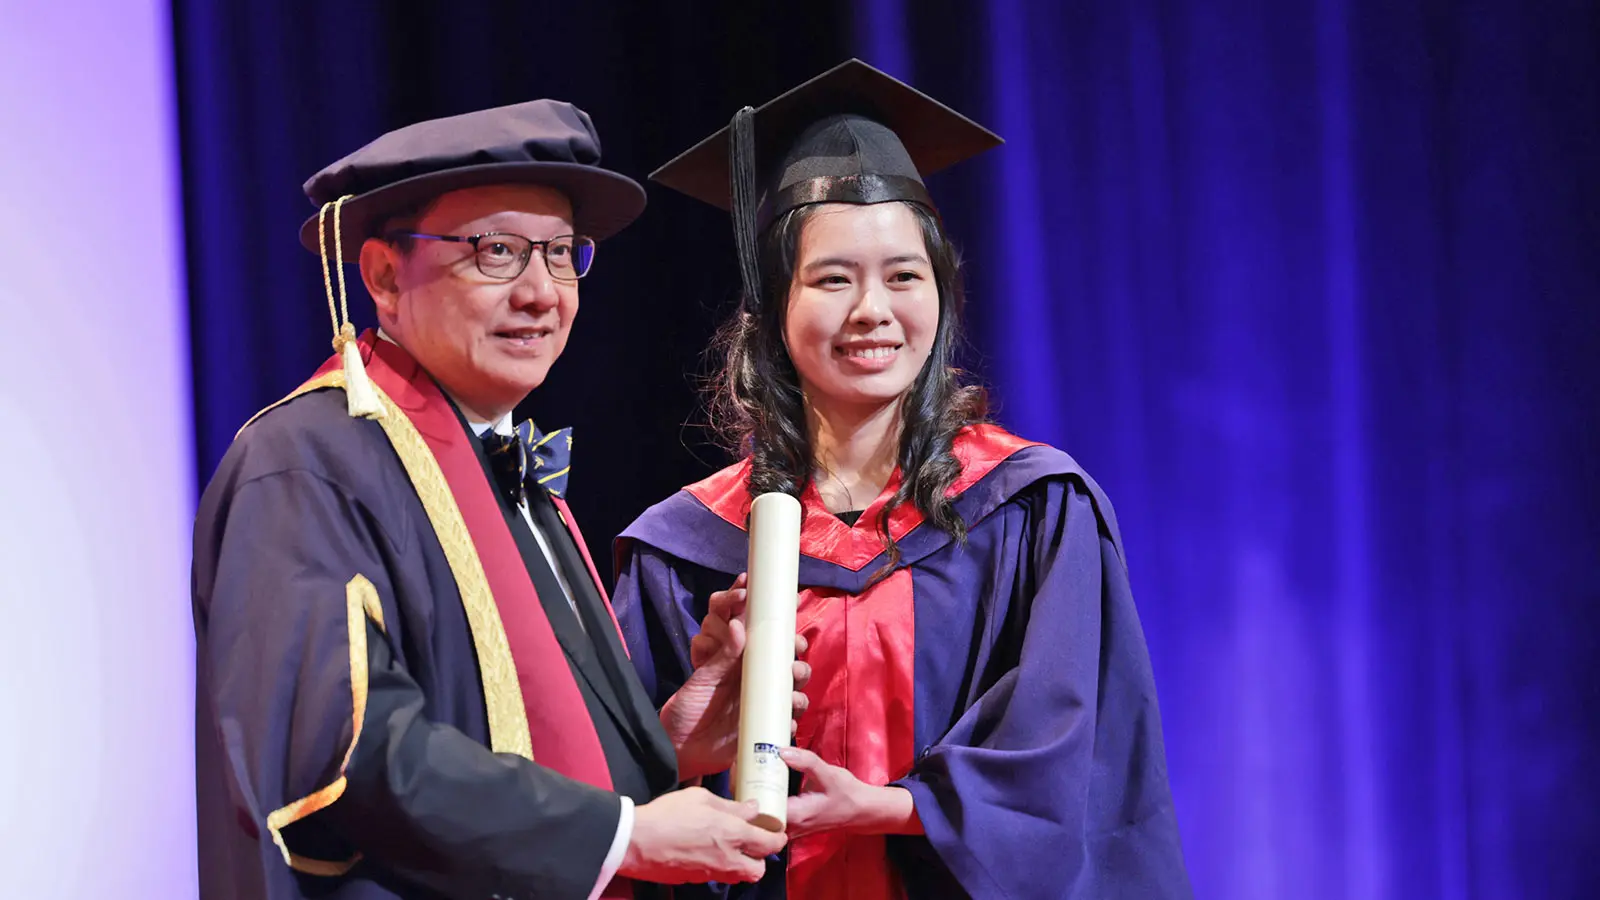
(983,716)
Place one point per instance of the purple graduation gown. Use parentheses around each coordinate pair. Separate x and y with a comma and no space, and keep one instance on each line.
(1004,682)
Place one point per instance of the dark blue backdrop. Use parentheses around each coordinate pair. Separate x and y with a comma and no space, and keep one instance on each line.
(1310,286)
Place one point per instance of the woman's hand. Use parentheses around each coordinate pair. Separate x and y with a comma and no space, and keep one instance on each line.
(834,799)
(702,718)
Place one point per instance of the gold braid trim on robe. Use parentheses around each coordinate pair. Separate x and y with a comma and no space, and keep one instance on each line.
(361,604)
(497,670)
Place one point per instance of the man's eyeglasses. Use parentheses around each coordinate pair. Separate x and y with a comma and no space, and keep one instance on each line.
(503,255)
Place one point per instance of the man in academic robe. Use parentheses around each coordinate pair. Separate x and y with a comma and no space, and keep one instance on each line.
(409,679)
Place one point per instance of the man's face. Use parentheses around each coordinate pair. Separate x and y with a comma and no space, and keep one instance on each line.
(488,341)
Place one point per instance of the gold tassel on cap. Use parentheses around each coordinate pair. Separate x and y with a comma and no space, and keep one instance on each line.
(359,394)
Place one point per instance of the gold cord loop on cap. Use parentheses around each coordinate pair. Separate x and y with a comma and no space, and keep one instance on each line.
(322,245)
(362,400)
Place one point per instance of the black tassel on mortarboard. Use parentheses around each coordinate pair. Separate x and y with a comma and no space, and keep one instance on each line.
(742,167)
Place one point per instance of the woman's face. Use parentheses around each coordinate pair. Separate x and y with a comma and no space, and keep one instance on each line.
(863,306)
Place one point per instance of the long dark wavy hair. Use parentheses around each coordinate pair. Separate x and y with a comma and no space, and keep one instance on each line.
(758,409)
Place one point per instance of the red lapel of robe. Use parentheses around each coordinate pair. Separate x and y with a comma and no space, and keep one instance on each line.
(562,734)
(978,448)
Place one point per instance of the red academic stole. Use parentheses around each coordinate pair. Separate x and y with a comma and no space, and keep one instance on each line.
(563,736)
(863,660)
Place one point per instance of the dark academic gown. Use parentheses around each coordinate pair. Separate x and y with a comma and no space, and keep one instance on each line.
(1004,682)
(394,698)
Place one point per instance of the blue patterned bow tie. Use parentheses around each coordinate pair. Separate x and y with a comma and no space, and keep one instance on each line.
(530,457)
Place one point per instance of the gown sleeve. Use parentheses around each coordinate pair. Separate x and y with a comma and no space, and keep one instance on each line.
(1053,782)
(328,748)
(657,613)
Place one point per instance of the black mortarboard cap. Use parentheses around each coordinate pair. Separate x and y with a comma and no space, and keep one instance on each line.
(546,142)
(853,134)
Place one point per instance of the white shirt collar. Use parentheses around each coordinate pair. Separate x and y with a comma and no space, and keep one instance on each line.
(502,427)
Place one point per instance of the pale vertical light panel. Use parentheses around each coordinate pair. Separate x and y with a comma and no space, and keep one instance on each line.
(96,469)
